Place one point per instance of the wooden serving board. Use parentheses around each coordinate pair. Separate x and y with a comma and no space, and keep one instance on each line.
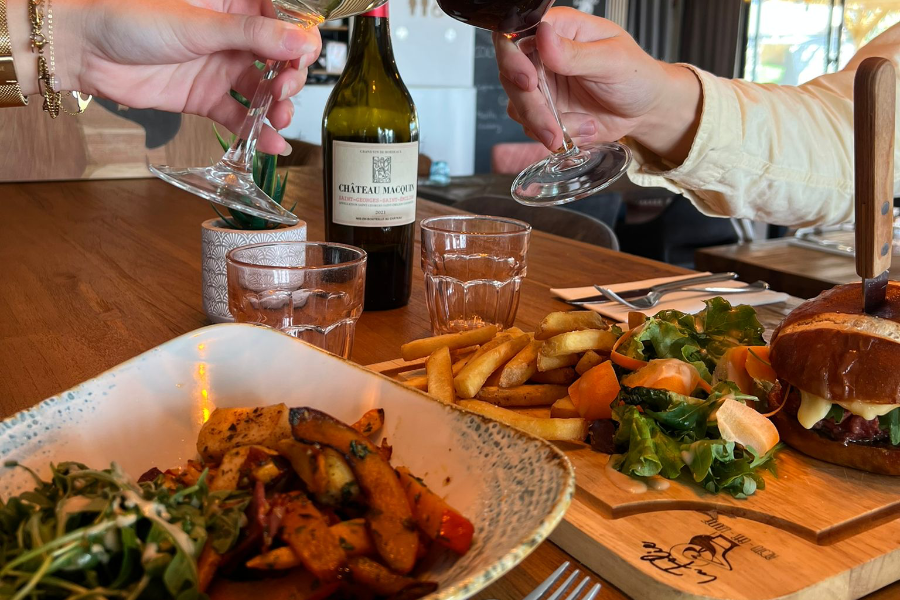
(817,531)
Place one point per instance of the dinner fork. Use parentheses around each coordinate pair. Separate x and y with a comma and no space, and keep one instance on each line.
(540,590)
(653,298)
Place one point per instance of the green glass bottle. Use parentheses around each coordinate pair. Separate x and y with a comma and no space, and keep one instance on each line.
(370,137)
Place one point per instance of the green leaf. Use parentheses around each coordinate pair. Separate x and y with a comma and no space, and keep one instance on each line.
(891,423)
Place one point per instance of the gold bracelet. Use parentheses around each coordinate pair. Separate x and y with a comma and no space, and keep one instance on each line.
(10,92)
(48,82)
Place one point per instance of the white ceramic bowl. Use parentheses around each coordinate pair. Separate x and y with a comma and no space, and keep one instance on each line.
(147,412)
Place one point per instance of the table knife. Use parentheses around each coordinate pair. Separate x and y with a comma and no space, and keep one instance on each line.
(874,97)
(680,283)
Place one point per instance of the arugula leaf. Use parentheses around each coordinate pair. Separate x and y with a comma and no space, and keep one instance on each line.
(683,417)
(891,423)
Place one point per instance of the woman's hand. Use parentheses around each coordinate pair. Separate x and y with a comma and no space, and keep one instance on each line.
(181,56)
(605,86)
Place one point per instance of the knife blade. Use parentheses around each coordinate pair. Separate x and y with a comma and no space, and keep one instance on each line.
(678,283)
(874,98)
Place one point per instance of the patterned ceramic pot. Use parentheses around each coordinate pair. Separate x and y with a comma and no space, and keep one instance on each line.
(218,239)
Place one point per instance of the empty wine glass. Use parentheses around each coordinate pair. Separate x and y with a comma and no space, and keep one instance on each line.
(570,172)
(229,182)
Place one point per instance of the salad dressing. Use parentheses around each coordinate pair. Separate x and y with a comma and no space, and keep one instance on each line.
(623,481)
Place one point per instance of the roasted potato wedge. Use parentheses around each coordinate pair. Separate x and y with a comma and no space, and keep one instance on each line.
(572,430)
(556,323)
(389,513)
(307,533)
(243,462)
(352,536)
(476,372)
(574,342)
(228,428)
(523,395)
(370,422)
(434,516)
(323,470)
(375,577)
(424,347)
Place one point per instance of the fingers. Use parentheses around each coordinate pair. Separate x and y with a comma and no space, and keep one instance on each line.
(582,128)
(532,112)
(514,64)
(215,32)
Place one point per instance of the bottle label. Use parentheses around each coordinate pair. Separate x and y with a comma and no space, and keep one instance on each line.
(374,184)
(381,11)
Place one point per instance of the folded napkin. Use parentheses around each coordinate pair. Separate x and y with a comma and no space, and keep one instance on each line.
(689,302)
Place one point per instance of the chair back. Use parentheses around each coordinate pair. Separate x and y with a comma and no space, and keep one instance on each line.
(550,219)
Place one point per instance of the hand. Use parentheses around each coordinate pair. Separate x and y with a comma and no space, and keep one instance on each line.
(604,85)
(182,56)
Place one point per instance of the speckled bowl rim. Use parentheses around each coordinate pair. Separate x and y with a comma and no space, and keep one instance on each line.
(465,588)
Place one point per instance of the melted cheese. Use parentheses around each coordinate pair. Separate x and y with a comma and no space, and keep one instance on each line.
(814,408)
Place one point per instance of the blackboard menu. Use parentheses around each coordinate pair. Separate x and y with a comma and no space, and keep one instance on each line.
(493,125)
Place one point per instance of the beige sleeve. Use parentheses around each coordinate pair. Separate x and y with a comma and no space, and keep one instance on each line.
(778,154)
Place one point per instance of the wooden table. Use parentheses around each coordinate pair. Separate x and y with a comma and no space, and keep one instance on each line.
(799,271)
(96,272)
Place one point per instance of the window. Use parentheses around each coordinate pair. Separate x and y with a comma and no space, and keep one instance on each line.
(793,41)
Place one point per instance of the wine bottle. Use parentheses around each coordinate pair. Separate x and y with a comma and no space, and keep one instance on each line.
(370,137)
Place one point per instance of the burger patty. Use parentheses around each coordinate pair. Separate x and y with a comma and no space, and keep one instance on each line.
(851,428)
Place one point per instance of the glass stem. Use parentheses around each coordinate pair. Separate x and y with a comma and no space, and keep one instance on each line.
(240,155)
(568,145)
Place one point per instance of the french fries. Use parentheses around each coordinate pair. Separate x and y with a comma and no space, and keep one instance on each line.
(523,395)
(476,372)
(421,382)
(562,322)
(439,372)
(424,347)
(550,363)
(589,360)
(574,342)
(564,408)
(571,430)
(561,376)
(521,367)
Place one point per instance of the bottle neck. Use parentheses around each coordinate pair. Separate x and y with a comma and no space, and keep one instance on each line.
(370,29)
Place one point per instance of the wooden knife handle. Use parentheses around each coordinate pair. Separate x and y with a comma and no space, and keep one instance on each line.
(874,99)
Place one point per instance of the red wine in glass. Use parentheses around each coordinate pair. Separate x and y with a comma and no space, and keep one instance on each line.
(570,172)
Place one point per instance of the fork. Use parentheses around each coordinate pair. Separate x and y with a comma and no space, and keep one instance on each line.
(540,590)
(653,298)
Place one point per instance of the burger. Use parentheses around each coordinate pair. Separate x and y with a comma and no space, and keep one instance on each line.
(838,387)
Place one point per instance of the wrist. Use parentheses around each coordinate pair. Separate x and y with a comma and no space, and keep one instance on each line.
(668,129)
(67,44)
(19,24)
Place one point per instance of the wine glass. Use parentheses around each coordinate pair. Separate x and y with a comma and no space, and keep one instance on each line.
(570,172)
(229,182)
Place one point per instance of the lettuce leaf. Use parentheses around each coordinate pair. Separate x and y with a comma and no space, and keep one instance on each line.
(699,339)
(671,431)
(890,423)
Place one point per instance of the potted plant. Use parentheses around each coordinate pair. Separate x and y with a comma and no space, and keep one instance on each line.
(228,231)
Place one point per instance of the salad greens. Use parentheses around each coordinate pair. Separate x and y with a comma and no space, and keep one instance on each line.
(700,339)
(661,432)
(97,534)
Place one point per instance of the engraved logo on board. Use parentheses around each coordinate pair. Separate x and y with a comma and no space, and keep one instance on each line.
(381,169)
